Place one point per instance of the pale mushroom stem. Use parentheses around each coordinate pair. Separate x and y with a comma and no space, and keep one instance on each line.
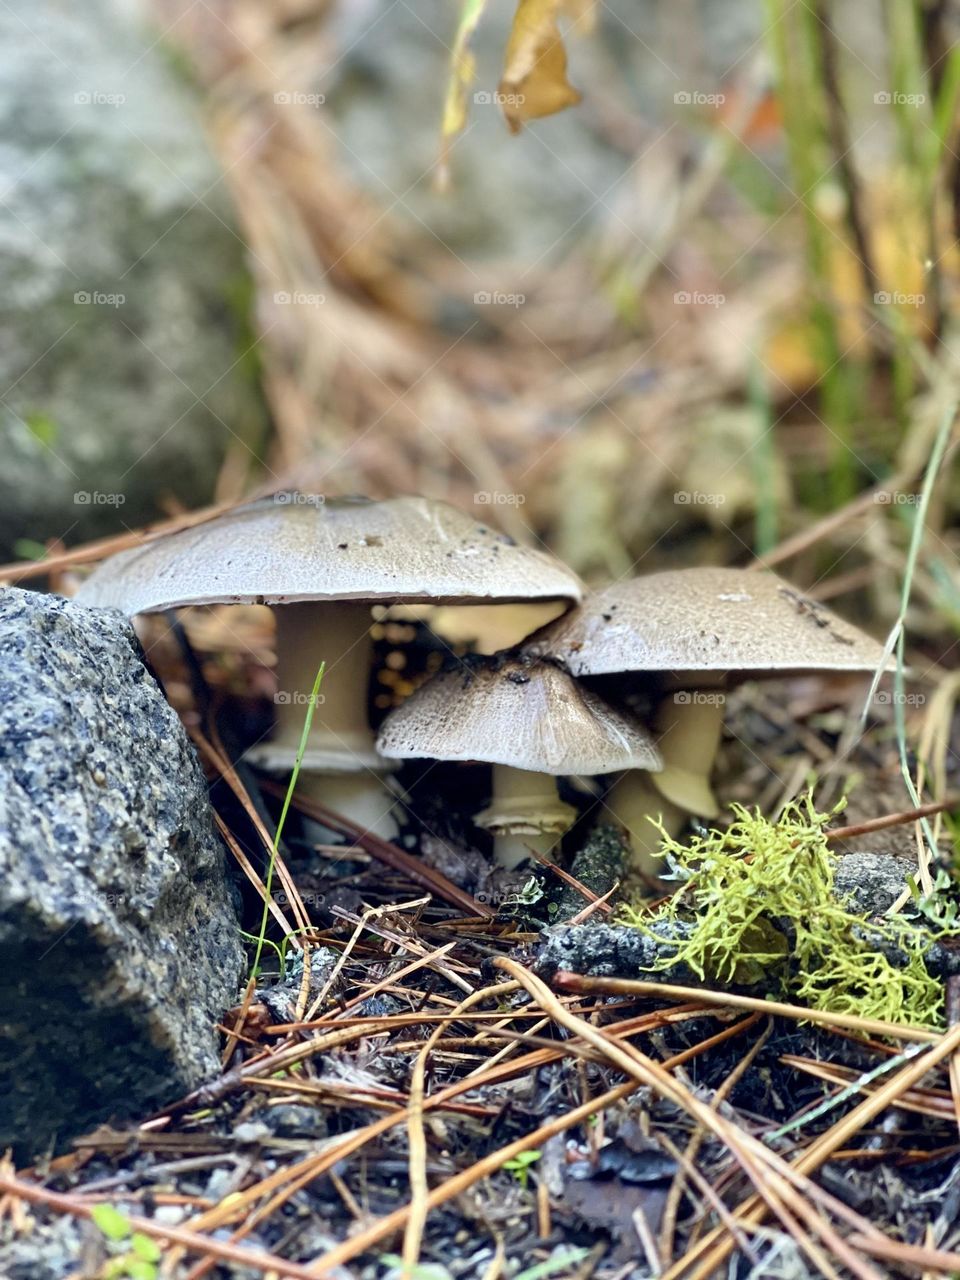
(636,804)
(690,723)
(525,812)
(338,634)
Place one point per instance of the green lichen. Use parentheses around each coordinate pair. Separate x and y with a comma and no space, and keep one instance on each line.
(759,905)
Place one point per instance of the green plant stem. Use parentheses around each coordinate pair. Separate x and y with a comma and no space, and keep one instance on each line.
(896,638)
(291,786)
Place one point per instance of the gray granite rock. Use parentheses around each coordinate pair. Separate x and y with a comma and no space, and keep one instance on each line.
(123,313)
(118,936)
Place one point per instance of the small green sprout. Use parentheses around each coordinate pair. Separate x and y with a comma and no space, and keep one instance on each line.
(422,1271)
(262,939)
(564,1256)
(138,1254)
(758,904)
(519,1166)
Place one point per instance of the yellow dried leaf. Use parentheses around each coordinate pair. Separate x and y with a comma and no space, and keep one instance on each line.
(534,79)
(462,71)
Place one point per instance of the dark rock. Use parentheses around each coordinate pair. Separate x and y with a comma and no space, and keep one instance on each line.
(122,318)
(608,951)
(53,1249)
(118,938)
(598,866)
(281,995)
(872,882)
(292,1120)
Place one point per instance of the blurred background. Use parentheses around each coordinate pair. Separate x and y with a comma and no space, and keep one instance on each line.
(704,314)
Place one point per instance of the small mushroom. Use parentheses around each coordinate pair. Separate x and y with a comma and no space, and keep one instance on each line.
(531,721)
(326,562)
(701,630)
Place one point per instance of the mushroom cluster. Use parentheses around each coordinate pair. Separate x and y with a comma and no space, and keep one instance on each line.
(695,633)
(323,562)
(533,722)
(549,709)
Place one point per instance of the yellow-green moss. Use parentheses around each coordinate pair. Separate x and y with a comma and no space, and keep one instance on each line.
(759,905)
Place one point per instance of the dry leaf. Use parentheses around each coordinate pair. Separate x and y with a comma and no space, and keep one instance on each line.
(463,68)
(534,79)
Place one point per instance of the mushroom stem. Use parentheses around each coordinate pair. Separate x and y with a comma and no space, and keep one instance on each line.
(337,633)
(340,767)
(633,800)
(362,797)
(525,812)
(689,724)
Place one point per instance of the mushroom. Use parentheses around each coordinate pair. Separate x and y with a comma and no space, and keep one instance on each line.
(529,719)
(701,630)
(326,562)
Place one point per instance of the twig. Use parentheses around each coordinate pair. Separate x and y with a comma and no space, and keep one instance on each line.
(711,1252)
(267,1263)
(387,853)
(892,819)
(630,986)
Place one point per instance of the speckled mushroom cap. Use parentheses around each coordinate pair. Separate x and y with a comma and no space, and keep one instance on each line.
(295,546)
(517,711)
(708,619)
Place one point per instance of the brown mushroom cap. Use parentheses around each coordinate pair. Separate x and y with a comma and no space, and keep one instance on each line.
(294,546)
(517,711)
(705,620)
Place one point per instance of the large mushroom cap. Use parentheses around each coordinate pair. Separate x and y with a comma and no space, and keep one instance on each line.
(522,712)
(705,620)
(297,546)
